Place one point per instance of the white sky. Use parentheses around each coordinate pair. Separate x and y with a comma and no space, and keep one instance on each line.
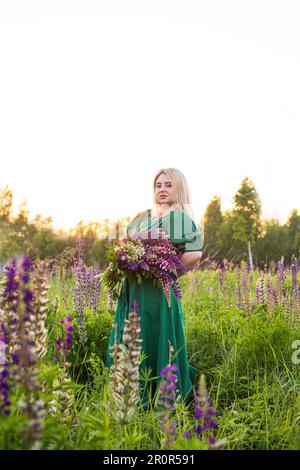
(96,96)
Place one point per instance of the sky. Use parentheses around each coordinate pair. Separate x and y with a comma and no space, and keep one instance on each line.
(97,96)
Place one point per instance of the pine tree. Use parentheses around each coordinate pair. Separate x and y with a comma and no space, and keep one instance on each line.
(247,222)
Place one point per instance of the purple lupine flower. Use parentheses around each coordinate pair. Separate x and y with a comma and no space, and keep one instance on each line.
(261,288)
(17,294)
(211,424)
(4,372)
(4,390)
(257,292)
(211,411)
(275,297)
(239,303)
(168,386)
(212,439)
(79,300)
(26,265)
(64,344)
(200,429)
(68,342)
(294,276)
(79,247)
(198,413)
(11,290)
(204,412)
(18,303)
(166,399)
(296,264)
(281,270)
(245,277)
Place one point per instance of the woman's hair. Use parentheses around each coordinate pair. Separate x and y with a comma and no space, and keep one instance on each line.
(183,202)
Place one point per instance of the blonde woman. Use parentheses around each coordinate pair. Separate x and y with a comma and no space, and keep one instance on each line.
(160,324)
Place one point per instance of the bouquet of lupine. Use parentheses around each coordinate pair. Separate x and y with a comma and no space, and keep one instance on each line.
(144,255)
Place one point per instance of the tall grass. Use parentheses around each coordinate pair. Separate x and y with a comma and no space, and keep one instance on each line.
(247,360)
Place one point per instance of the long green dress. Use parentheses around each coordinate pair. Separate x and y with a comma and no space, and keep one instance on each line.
(159,322)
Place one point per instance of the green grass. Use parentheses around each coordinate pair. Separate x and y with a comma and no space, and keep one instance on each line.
(252,382)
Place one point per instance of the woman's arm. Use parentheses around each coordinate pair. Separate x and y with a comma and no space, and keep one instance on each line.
(190,259)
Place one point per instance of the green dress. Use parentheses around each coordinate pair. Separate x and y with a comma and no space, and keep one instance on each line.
(159,322)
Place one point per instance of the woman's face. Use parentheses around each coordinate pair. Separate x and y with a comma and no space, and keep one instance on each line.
(164,191)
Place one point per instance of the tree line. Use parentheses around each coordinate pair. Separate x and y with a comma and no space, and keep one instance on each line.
(241,234)
(235,235)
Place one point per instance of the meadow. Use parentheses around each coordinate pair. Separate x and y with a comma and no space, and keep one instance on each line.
(242,329)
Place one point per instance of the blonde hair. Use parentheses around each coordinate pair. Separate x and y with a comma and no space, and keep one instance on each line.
(183,202)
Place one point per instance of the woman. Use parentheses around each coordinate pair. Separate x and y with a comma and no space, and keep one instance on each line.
(160,323)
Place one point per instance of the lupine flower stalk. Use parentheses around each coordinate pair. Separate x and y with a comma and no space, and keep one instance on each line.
(239,292)
(283,296)
(18,302)
(63,400)
(79,300)
(4,372)
(222,275)
(64,343)
(205,417)
(288,308)
(295,292)
(280,281)
(9,300)
(65,295)
(40,300)
(124,372)
(271,297)
(167,391)
(244,295)
(111,303)
(95,289)
(274,294)
(251,279)
(92,293)
(79,293)
(297,308)
(294,274)
(86,292)
(261,290)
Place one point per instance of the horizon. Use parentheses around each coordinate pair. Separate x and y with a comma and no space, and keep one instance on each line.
(112,220)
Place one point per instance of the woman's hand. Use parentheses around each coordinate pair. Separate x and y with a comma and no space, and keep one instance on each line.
(190,259)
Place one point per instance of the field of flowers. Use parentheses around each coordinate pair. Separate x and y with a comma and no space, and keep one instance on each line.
(242,330)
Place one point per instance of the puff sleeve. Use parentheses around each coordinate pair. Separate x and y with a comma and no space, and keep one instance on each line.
(135,224)
(184,233)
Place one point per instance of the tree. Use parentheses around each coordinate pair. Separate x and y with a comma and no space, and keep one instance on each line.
(225,243)
(212,221)
(247,213)
(293,230)
(273,244)
(6,203)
